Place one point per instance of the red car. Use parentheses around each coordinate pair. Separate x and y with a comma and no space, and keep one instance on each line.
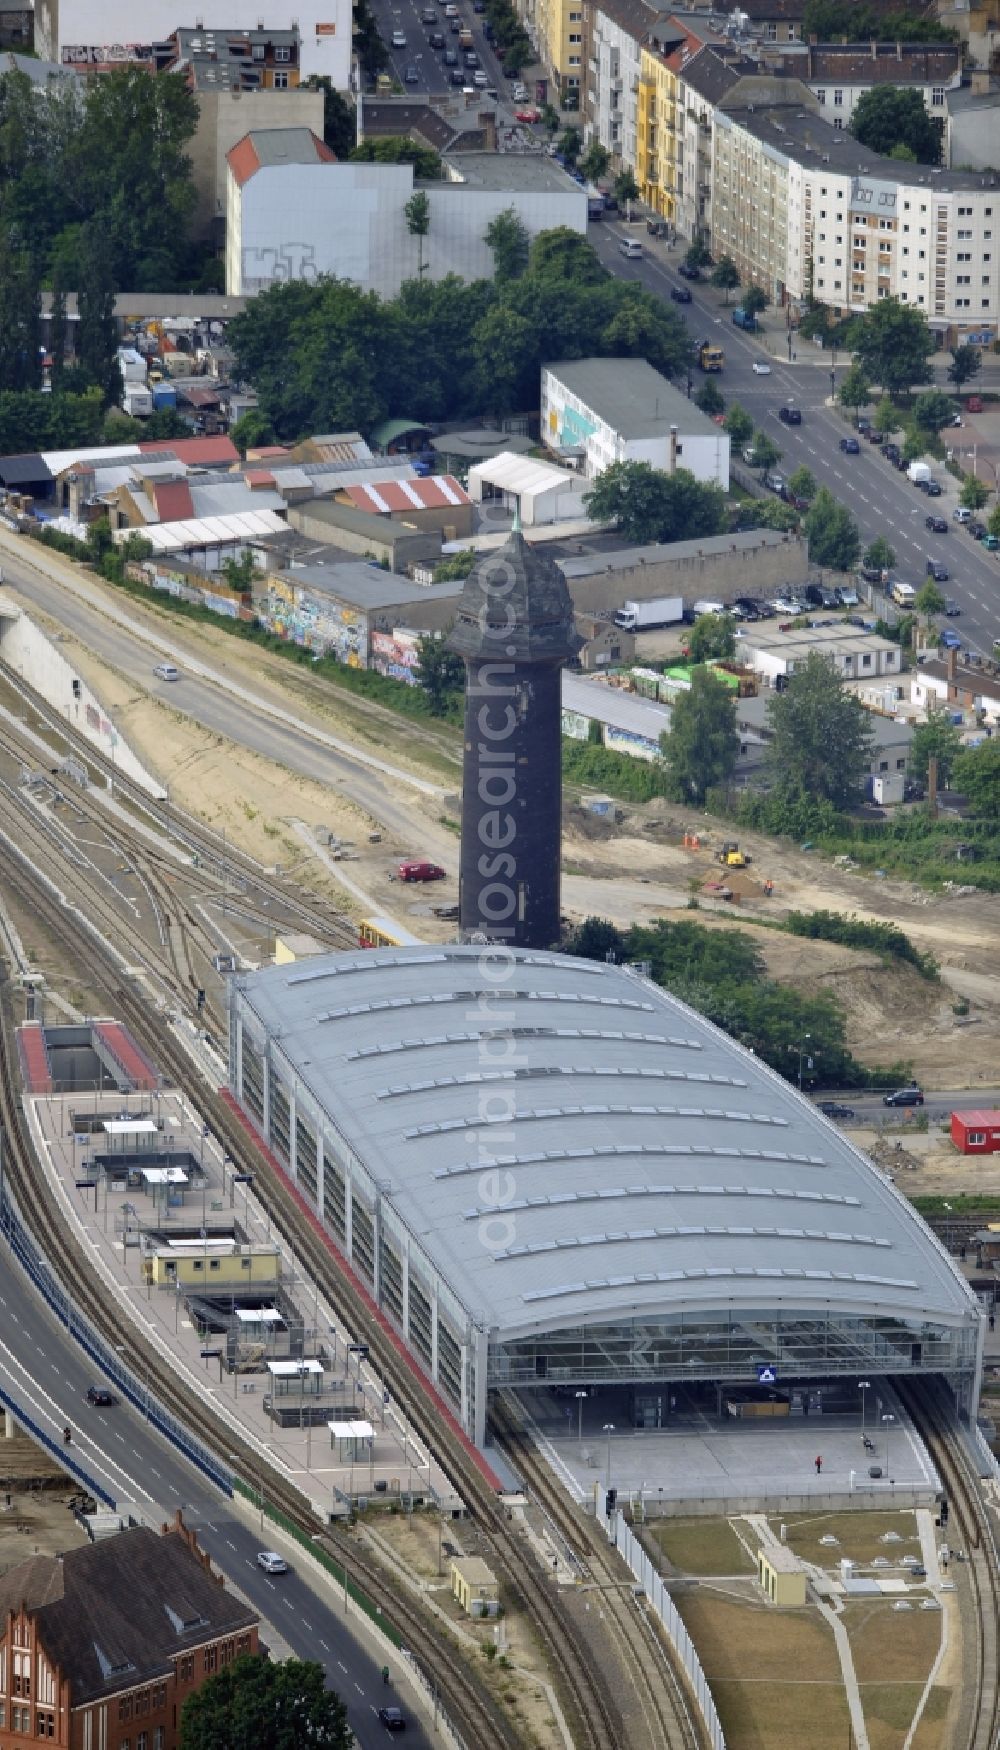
(421,872)
(527,115)
(973,404)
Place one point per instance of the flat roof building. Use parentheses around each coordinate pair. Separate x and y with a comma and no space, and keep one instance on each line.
(622,410)
(630,1197)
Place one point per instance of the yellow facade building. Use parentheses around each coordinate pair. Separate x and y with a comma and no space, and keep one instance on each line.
(782,1576)
(558,27)
(656,134)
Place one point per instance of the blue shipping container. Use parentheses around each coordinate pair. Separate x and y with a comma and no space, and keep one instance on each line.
(164,395)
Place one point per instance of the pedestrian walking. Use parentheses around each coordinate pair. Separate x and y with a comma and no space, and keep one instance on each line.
(819,1464)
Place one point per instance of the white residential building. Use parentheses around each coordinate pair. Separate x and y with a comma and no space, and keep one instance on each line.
(621,410)
(80,33)
(293,212)
(616,31)
(855,655)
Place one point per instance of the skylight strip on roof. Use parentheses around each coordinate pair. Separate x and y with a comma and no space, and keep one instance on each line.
(720,1114)
(569,1288)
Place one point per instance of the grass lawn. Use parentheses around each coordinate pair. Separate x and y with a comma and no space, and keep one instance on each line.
(796,1716)
(892,1646)
(756,1641)
(858,1535)
(889,1709)
(702,1546)
(931,1732)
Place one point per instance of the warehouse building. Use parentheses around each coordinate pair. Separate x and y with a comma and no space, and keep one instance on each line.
(547,1172)
(622,410)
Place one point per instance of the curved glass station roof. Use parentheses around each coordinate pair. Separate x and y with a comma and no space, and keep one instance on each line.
(570,1145)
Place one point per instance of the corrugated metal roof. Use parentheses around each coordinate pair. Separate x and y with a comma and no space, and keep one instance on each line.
(209,531)
(436,492)
(527,475)
(651,1164)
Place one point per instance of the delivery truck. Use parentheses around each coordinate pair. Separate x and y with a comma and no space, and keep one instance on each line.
(661,610)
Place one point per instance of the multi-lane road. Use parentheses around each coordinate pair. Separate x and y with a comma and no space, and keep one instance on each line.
(881,499)
(433,77)
(47,1375)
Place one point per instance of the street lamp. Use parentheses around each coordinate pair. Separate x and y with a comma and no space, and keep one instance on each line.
(609,1429)
(864,1385)
(802,1040)
(580,1398)
(887,1421)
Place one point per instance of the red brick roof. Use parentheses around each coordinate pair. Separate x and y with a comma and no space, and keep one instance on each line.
(243,160)
(172,499)
(440,492)
(199,452)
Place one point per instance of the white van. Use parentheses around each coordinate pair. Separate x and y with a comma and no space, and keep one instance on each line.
(631,247)
(165,671)
(699,608)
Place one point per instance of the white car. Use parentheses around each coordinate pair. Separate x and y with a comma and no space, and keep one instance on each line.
(399,39)
(271,1562)
(786,604)
(166,671)
(520,91)
(760,369)
(479,77)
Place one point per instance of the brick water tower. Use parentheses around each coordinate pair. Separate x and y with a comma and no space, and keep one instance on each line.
(514,632)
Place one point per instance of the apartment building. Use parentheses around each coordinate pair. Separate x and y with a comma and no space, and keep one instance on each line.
(839,74)
(802,206)
(662,157)
(558,29)
(622,410)
(616,33)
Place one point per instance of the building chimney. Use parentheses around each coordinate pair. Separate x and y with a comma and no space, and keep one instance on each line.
(673,449)
(979,81)
(952,667)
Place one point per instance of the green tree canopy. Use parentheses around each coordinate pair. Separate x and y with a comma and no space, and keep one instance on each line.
(439,672)
(507,239)
(886,416)
(255,1704)
(626,188)
(821,736)
(830,21)
(802,483)
(993,521)
(974,494)
(831,532)
(570,144)
(739,425)
(700,748)
(340,122)
(938,739)
(930,599)
(894,345)
(891,115)
(710,398)
(766,453)
(594,161)
(975,774)
(697,254)
(712,635)
(855,390)
(965,364)
(879,556)
(648,505)
(726,275)
(754,300)
(250,431)
(932,409)
(417,213)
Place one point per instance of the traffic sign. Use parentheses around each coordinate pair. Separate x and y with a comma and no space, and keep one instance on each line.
(766,1374)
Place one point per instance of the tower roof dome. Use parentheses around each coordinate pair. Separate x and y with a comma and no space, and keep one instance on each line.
(515,606)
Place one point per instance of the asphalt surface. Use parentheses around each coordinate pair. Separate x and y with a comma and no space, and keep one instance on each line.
(47,1375)
(433,77)
(938,1104)
(881,499)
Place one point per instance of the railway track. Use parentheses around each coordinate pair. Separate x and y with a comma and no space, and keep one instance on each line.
(587,1693)
(933,1413)
(670,1715)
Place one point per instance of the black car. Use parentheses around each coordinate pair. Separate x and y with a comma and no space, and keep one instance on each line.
(850,446)
(818,596)
(99,1395)
(976,530)
(411,76)
(936,524)
(680,294)
(457,76)
(454,25)
(933,490)
(938,572)
(748,608)
(471,58)
(903,1097)
(789,416)
(952,609)
(450,57)
(688,273)
(392,1718)
(437,39)
(831,1109)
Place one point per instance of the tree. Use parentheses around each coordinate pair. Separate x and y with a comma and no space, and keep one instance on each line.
(739,425)
(710,399)
(418,222)
(97,331)
(829,21)
(932,409)
(506,237)
(626,190)
(879,556)
(772,513)
(974,493)
(821,736)
(57,334)
(697,254)
(754,300)
(250,431)
(831,532)
(855,390)
(563,254)
(594,161)
(975,774)
(890,115)
(726,275)
(893,344)
(937,739)
(439,672)
(929,600)
(503,339)
(596,939)
(712,635)
(965,364)
(570,143)
(993,523)
(766,453)
(903,154)
(255,1704)
(456,567)
(340,122)
(886,417)
(914,442)
(700,748)
(400,149)
(647,505)
(802,483)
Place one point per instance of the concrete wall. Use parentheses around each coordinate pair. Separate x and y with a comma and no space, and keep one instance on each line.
(223,119)
(320,521)
(297,221)
(722,576)
(30,654)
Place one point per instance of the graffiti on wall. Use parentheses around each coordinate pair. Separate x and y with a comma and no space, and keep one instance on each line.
(396,654)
